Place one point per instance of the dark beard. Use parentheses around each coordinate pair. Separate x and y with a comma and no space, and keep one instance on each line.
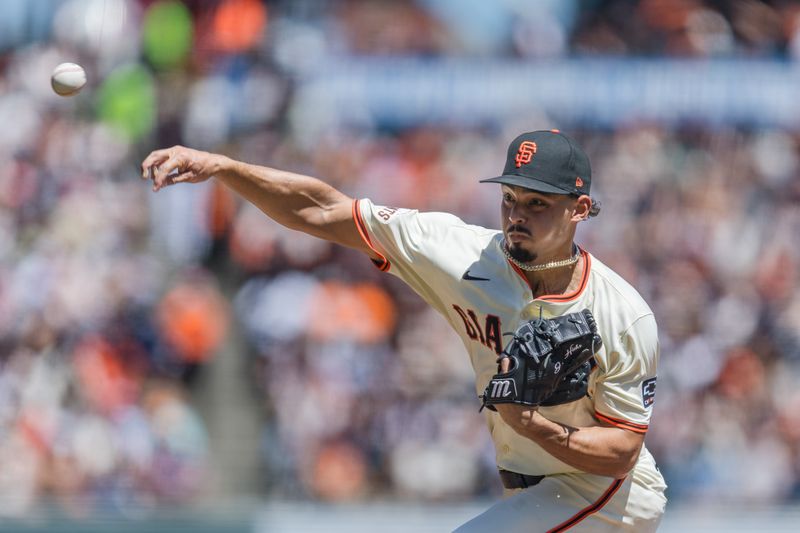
(520,254)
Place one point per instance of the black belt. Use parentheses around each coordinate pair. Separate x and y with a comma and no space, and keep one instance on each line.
(515,480)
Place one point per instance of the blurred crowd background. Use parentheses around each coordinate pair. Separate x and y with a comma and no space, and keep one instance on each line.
(170,349)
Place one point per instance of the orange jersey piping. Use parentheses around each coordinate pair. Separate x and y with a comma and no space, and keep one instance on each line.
(593,508)
(624,424)
(561,298)
(382,263)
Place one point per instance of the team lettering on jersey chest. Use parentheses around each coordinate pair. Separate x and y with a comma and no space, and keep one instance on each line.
(486,330)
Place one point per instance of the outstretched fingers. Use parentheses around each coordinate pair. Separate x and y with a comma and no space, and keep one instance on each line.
(155,158)
(165,167)
(176,165)
(165,172)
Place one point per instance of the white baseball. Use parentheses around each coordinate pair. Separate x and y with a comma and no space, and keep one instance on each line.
(68,79)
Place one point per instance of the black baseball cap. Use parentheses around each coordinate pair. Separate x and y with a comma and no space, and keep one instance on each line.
(546,161)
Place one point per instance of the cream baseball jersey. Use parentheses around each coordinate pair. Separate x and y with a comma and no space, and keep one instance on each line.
(461,271)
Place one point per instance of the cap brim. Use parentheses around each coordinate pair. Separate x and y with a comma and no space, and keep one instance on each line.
(527,183)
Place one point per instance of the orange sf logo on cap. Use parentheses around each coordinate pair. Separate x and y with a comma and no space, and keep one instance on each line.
(525,153)
(578,182)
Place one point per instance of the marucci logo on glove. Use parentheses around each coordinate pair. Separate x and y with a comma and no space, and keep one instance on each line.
(502,388)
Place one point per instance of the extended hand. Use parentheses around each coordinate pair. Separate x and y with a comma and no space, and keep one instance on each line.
(179,165)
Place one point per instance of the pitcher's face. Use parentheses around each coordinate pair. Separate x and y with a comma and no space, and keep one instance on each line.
(538,225)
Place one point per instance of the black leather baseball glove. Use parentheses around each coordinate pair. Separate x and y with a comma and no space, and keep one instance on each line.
(551,360)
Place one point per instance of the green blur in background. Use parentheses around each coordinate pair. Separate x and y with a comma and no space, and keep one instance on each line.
(167,34)
(127,101)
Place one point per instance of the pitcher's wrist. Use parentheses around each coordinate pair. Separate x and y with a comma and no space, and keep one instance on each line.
(223,166)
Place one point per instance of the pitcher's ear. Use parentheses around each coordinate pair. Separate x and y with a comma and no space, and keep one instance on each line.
(583,207)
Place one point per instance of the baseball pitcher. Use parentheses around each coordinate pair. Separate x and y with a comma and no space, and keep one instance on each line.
(564,350)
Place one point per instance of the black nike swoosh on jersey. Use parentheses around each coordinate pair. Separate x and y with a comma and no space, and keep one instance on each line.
(467,277)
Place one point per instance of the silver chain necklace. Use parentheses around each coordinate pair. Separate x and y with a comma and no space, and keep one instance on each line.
(547,266)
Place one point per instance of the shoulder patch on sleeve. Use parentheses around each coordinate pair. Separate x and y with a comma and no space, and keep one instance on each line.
(648,392)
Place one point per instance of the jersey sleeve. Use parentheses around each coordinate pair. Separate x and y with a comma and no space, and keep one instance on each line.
(408,244)
(394,234)
(624,394)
